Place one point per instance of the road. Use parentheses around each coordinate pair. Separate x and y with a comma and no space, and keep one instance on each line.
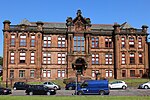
(127,92)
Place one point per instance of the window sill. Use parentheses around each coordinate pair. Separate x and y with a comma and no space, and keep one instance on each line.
(95,64)
(140,64)
(12,63)
(22,63)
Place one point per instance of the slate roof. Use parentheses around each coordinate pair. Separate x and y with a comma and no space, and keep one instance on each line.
(63,25)
(25,22)
(102,26)
(126,26)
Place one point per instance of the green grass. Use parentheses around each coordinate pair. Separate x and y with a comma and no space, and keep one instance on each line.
(59,82)
(134,82)
(74,98)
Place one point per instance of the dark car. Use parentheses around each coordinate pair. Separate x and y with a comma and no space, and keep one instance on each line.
(4,91)
(20,86)
(39,90)
(71,86)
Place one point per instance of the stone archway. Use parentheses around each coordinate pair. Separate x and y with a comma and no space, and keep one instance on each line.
(79,65)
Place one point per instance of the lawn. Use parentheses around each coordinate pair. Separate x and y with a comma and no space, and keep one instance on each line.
(134,82)
(74,98)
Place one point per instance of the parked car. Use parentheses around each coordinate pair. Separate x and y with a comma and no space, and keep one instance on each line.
(40,90)
(52,85)
(5,91)
(99,87)
(144,85)
(20,86)
(118,85)
(71,86)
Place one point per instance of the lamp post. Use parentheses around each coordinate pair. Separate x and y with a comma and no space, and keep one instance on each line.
(77,79)
(7,70)
(96,74)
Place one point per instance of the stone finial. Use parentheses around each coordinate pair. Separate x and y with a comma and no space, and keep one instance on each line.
(79,12)
(88,21)
(6,24)
(69,21)
(116,28)
(39,25)
(144,28)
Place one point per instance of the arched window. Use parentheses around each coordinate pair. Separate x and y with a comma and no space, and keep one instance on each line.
(131,42)
(32,41)
(32,58)
(12,57)
(140,58)
(139,42)
(12,42)
(123,58)
(132,58)
(23,40)
(22,57)
(123,42)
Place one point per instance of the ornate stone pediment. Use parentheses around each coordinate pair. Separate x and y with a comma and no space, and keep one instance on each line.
(79,24)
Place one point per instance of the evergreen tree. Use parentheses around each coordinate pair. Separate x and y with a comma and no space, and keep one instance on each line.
(1,61)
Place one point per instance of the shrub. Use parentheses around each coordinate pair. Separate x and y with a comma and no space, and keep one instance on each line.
(69,80)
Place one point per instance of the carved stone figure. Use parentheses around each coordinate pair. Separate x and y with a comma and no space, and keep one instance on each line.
(79,12)
(69,21)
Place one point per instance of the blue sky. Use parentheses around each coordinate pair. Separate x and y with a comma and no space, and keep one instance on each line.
(135,12)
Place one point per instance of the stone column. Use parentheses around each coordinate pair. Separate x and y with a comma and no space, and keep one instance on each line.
(69,43)
(116,49)
(149,58)
(146,56)
(89,44)
(144,30)
(86,45)
(6,51)
(38,53)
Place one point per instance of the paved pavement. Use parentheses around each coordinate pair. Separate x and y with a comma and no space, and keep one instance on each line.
(127,92)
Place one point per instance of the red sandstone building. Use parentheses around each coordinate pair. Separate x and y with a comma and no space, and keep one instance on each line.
(44,51)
